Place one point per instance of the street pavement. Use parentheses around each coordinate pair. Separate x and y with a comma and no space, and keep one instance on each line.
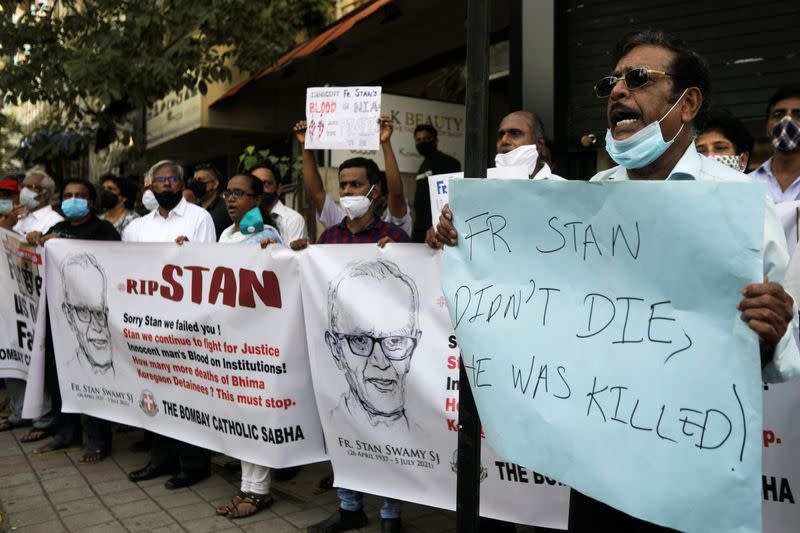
(53,493)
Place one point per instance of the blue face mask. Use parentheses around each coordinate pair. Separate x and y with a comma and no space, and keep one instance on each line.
(75,207)
(252,222)
(6,206)
(644,146)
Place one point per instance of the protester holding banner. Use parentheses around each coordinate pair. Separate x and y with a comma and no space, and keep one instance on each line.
(359,186)
(290,224)
(37,190)
(328,213)
(78,199)
(174,220)
(652,120)
(243,197)
(652,117)
(117,196)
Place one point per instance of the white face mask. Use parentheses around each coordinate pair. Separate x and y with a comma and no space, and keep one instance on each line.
(28,198)
(523,156)
(736,162)
(356,206)
(149,200)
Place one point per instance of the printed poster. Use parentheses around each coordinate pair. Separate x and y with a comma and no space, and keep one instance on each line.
(189,342)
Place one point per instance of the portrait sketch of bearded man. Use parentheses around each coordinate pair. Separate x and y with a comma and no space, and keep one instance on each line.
(84,284)
(373,311)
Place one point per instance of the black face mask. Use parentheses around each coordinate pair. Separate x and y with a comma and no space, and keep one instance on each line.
(108,199)
(168,199)
(268,199)
(425,148)
(199,188)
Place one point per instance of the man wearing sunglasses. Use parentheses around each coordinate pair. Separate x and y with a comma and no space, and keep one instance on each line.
(372,342)
(656,100)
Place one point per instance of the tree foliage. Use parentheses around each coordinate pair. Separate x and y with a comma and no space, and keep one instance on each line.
(94,61)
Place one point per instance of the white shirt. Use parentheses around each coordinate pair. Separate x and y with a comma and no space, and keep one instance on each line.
(185,219)
(691,166)
(40,220)
(333,213)
(779,196)
(546,174)
(290,224)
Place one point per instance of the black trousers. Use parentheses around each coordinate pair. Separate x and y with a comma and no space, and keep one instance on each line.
(190,459)
(591,516)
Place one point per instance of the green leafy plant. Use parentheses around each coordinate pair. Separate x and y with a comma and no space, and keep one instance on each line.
(95,61)
(252,157)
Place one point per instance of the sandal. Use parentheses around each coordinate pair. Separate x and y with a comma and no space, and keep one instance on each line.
(226,508)
(35,435)
(92,456)
(257,502)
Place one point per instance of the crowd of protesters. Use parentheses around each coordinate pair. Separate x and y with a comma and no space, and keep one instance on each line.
(659,127)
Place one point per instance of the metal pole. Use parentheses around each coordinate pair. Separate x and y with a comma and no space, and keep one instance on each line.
(476,156)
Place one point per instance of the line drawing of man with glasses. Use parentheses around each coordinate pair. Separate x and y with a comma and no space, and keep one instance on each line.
(83,282)
(374,329)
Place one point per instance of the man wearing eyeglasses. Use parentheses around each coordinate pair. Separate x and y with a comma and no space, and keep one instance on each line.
(657,98)
(373,347)
(174,220)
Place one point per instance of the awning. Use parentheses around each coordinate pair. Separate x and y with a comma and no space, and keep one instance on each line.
(332,33)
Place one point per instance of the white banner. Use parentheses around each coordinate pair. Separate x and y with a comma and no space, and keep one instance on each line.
(343,118)
(781,468)
(406,113)
(194,342)
(20,287)
(385,367)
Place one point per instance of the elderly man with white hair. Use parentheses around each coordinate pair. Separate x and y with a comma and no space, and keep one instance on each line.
(37,192)
(176,220)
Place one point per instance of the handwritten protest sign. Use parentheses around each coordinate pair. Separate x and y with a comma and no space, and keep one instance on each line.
(20,288)
(603,342)
(406,113)
(203,343)
(342,118)
(385,366)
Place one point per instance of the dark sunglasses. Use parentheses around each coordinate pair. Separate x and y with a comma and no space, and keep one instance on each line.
(635,78)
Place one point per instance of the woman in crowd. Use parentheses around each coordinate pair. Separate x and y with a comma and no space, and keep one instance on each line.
(250,225)
(725,139)
(117,198)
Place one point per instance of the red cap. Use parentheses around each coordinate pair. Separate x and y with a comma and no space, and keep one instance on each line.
(9,185)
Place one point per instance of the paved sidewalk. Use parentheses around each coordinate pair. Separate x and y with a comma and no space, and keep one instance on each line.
(55,493)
